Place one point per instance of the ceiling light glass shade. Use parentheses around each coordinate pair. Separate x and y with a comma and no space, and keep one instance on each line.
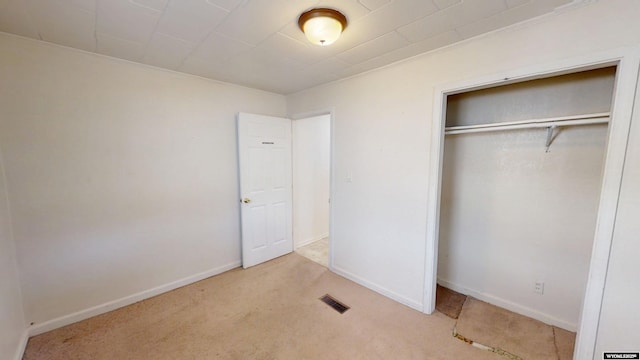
(322,26)
(322,30)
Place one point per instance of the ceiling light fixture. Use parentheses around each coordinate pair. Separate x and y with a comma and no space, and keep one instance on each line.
(322,26)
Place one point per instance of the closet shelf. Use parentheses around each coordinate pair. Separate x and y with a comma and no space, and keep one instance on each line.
(574,120)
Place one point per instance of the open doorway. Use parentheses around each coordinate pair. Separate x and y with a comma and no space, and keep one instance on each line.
(311,187)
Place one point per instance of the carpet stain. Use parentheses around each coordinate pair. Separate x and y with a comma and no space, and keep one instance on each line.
(449,302)
(492,349)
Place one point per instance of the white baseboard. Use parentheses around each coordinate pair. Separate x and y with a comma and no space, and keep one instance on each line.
(311,240)
(379,289)
(22,345)
(127,300)
(511,306)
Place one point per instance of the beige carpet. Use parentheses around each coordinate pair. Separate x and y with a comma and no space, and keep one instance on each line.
(270,311)
(519,335)
(317,251)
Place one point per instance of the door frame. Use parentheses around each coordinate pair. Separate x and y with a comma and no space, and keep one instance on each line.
(309,114)
(628,66)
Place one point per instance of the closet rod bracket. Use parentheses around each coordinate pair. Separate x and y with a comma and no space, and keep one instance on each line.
(550,131)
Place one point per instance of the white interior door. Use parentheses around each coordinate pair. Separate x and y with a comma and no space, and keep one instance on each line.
(264,147)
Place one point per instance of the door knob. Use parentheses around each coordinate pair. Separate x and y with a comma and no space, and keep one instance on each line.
(246,200)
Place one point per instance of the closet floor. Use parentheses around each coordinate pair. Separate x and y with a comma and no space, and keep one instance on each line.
(504,332)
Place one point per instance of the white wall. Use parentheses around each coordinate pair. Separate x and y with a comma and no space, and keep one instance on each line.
(578,93)
(121,177)
(382,123)
(12,324)
(619,318)
(512,215)
(311,167)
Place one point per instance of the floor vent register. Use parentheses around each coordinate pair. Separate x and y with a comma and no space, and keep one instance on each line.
(335,304)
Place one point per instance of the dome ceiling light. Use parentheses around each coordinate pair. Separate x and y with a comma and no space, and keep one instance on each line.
(322,26)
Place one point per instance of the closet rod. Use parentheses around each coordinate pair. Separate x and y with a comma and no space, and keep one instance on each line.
(575,120)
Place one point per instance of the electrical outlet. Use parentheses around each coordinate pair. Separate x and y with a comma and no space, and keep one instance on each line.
(539,287)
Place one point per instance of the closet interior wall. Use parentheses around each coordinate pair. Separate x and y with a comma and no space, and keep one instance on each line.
(513,214)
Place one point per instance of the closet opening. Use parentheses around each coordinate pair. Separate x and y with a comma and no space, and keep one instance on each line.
(520,179)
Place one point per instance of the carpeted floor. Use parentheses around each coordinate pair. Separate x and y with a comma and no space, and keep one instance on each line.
(270,311)
(514,333)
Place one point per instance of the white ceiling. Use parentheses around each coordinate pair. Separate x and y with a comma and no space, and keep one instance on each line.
(257,43)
